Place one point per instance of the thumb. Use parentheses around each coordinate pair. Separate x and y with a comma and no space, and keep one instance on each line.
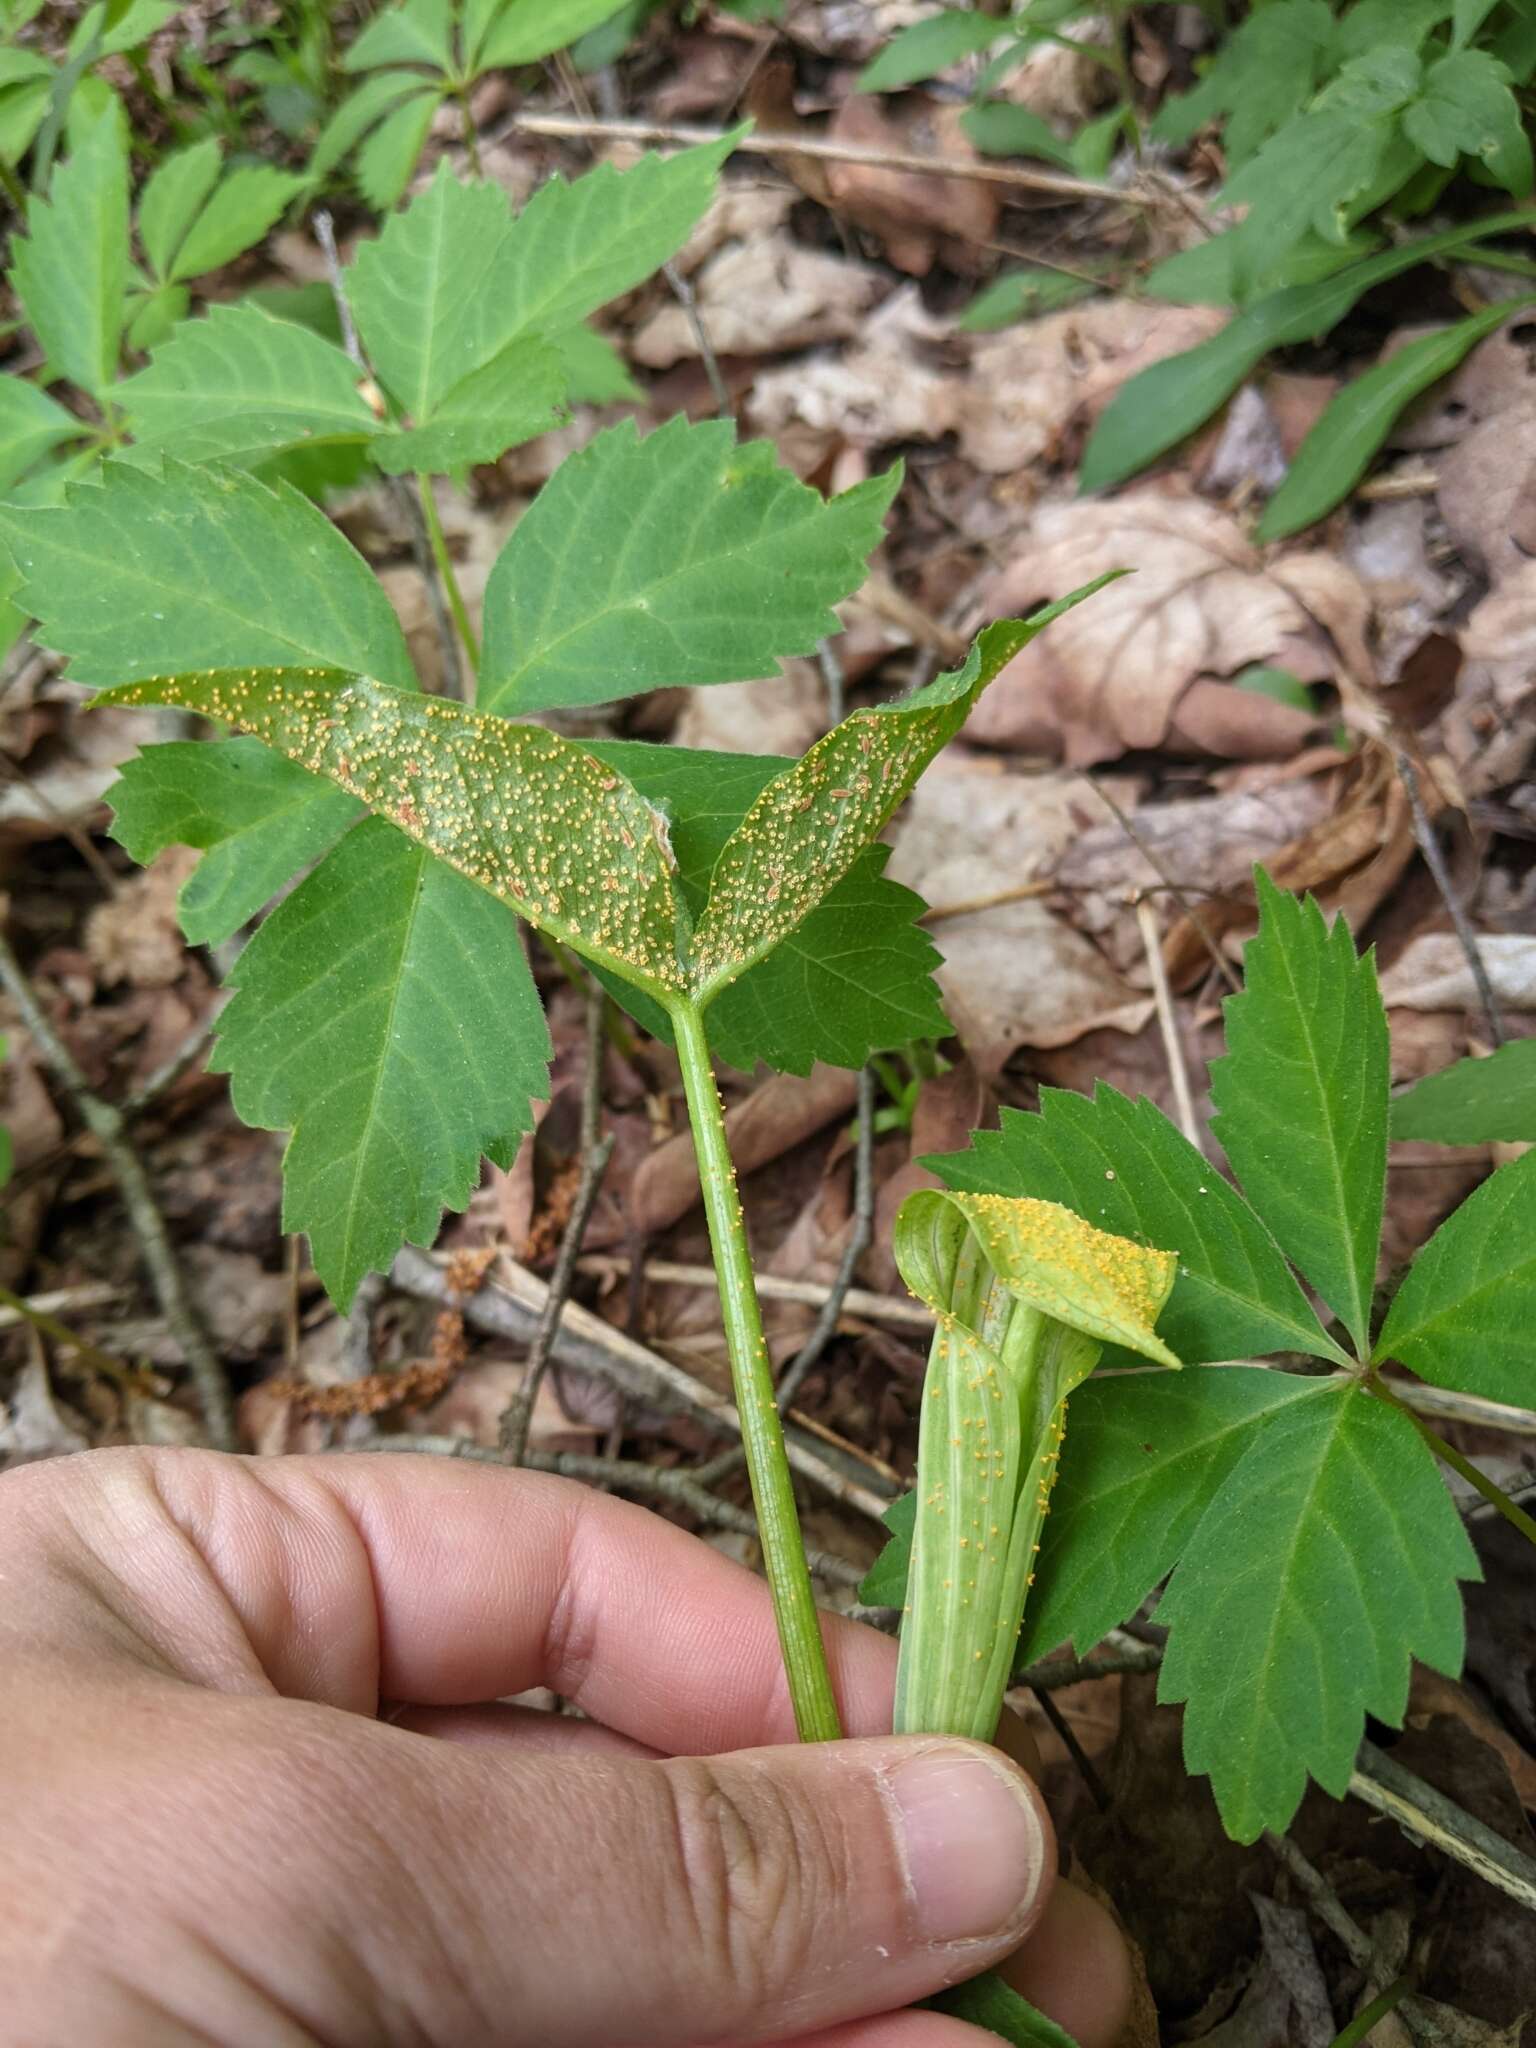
(752,1897)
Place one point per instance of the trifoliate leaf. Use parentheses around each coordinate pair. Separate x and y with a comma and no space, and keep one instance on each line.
(257,818)
(1144,1456)
(172,198)
(515,396)
(1301,1098)
(1468,109)
(531,817)
(811,823)
(204,568)
(70,270)
(386,1015)
(1463,1316)
(1125,1167)
(1474,1102)
(855,977)
(1326,1564)
(30,424)
(237,384)
(700,561)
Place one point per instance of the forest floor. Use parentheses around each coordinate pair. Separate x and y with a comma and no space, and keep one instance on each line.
(1097,827)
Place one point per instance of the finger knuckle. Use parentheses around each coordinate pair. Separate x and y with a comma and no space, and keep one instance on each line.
(748,1863)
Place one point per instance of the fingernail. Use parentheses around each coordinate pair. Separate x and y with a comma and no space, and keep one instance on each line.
(975,1841)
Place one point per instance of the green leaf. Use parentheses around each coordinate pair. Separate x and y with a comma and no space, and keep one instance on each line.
(257,817)
(1262,75)
(241,210)
(172,197)
(576,246)
(240,383)
(809,826)
(71,269)
(384,1014)
(1022,295)
(423,294)
(1463,1315)
(595,372)
(417,33)
(1475,1102)
(152,315)
(22,111)
(999,128)
(1145,1454)
(1301,1098)
(987,2002)
(30,424)
(137,573)
(1468,17)
(1159,406)
(1124,1166)
(1328,1561)
(521,31)
(17,66)
(359,112)
(136,24)
(699,561)
(1214,272)
(885,1583)
(518,394)
(1309,176)
(1468,109)
(533,818)
(1280,685)
(855,978)
(1338,450)
(388,157)
(924,48)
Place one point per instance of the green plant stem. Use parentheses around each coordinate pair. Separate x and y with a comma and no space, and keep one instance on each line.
(1371,2015)
(762,1434)
(440,555)
(1494,1494)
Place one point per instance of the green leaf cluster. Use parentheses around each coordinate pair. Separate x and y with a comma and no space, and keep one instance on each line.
(1312,1546)
(1329,121)
(39,96)
(414,56)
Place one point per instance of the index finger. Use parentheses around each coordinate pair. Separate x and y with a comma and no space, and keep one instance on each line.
(444,1583)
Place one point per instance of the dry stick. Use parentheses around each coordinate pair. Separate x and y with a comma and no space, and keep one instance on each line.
(170,1070)
(596,1151)
(687,298)
(825,1326)
(400,488)
(1055,1673)
(628,1475)
(108,1125)
(1067,1735)
(1439,1823)
(18,1309)
(684,136)
(1434,860)
(1167,1022)
(512,1308)
(858,1301)
(356,1360)
(94,1294)
(1150,856)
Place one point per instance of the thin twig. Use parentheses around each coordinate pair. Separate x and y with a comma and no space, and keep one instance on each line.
(858,1301)
(325,235)
(833,681)
(1167,1022)
(109,1127)
(437,540)
(596,1151)
(629,1476)
(1054,1673)
(1434,860)
(687,298)
(969,906)
(512,1308)
(19,1309)
(170,1070)
(1150,855)
(825,1326)
(684,136)
(94,1294)
(356,1359)
(1324,1900)
(1439,1823)
(1067,1735)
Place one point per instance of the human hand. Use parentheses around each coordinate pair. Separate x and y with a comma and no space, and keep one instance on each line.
(208,1836)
